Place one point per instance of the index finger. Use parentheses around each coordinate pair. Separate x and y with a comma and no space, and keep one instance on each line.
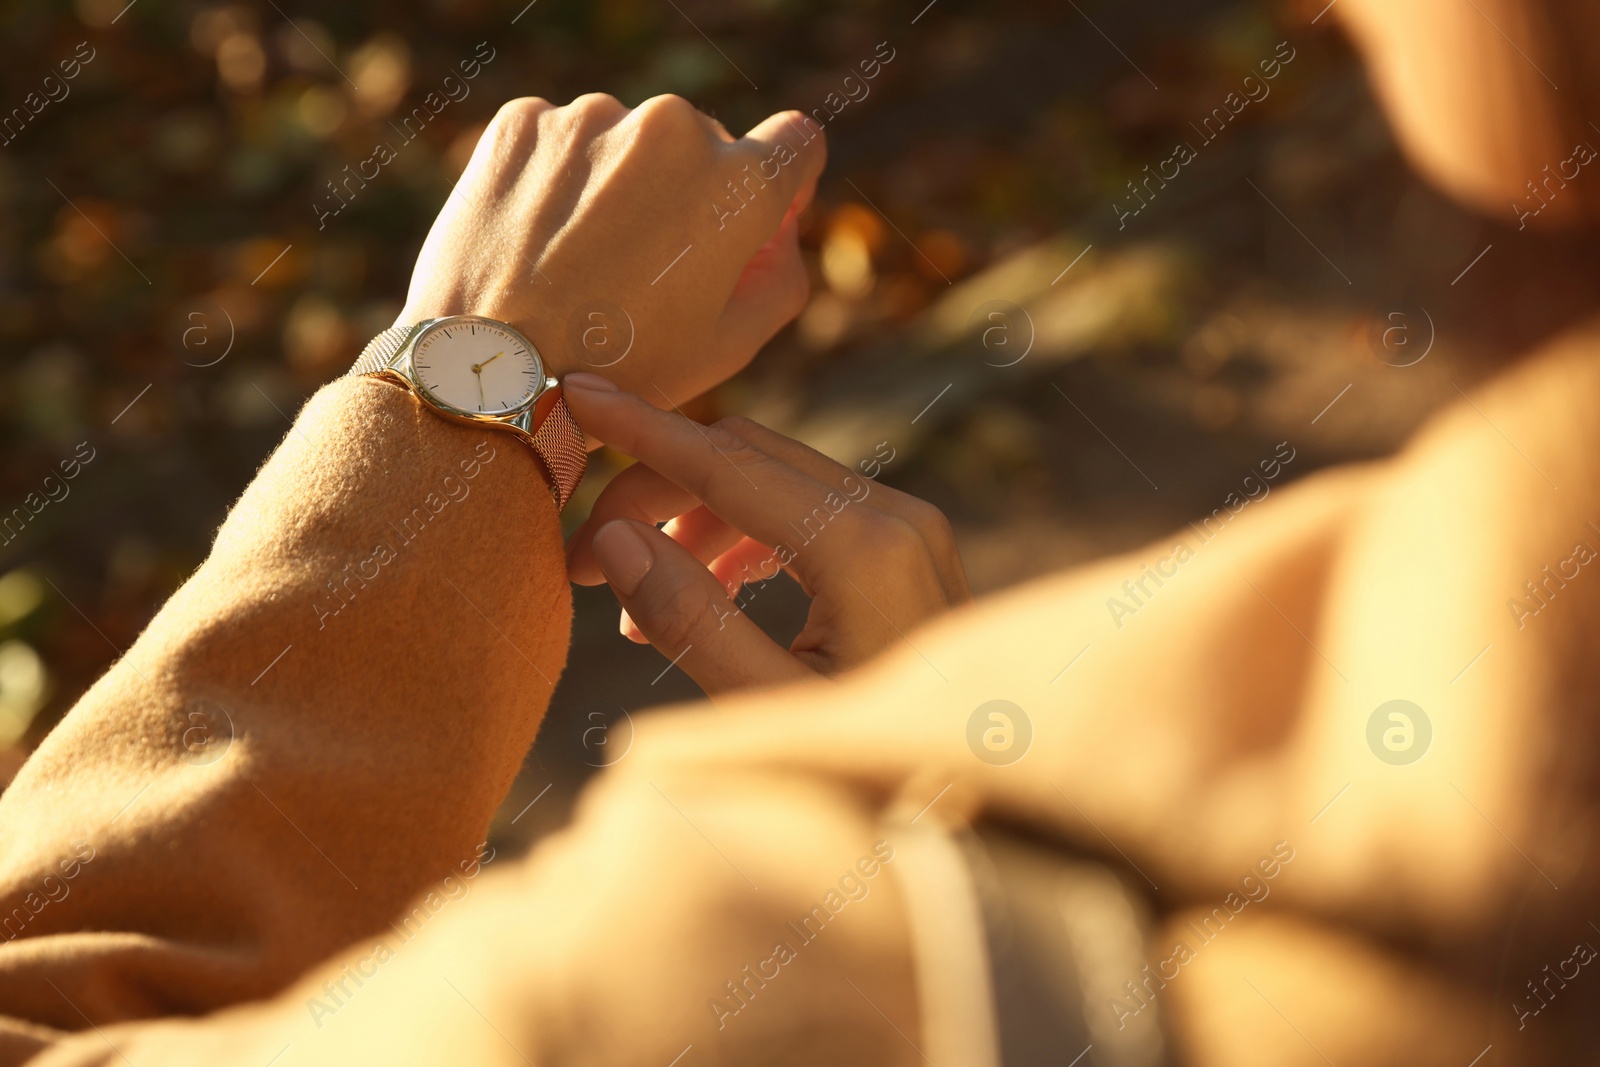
(758,494)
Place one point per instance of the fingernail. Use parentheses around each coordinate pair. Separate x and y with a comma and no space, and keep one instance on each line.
(592,383)
(630,629)
(624,556)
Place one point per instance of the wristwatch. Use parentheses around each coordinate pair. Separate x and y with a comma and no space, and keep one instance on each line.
(478,370)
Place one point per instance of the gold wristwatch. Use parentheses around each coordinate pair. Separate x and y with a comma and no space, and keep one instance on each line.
(481,371)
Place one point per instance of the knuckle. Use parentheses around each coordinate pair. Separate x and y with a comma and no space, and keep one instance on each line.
(739,427)
(518,116)
(728,450)
(596,106)
(931,523)
(667,115)
(674,611)
(890,539)
(725,437)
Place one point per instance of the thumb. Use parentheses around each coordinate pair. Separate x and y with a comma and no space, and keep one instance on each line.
(682,608)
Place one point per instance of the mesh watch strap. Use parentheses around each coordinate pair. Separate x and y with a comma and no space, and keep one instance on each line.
(556,440)
(380,351)
(560,445)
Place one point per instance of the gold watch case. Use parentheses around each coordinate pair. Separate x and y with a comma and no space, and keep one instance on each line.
(401,370)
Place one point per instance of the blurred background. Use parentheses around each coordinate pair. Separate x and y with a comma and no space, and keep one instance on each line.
(1064,380)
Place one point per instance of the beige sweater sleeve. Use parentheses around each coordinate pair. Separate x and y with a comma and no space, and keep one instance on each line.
(320,723)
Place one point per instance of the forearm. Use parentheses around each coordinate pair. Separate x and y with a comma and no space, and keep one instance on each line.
(320,723)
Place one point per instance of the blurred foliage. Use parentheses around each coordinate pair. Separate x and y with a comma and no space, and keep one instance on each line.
(167,296)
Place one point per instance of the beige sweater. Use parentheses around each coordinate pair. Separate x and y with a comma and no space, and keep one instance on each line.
(153,875)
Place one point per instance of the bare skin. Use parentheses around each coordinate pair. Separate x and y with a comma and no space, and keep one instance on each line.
(568,223)
(875,561)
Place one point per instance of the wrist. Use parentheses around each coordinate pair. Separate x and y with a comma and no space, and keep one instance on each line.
(483,371)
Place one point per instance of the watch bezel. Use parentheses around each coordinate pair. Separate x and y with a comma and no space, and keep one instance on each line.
(501,416)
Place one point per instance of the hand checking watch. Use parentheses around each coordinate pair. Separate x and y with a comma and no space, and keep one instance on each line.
(478,370)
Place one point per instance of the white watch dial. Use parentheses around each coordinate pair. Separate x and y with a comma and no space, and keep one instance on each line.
(477,365)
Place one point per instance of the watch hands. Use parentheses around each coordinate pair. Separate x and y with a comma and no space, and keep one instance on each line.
(477,369)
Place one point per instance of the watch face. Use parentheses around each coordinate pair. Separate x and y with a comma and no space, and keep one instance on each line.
(477,365)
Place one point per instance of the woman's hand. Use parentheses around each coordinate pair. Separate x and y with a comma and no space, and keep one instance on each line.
(745,502)
(646,245)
